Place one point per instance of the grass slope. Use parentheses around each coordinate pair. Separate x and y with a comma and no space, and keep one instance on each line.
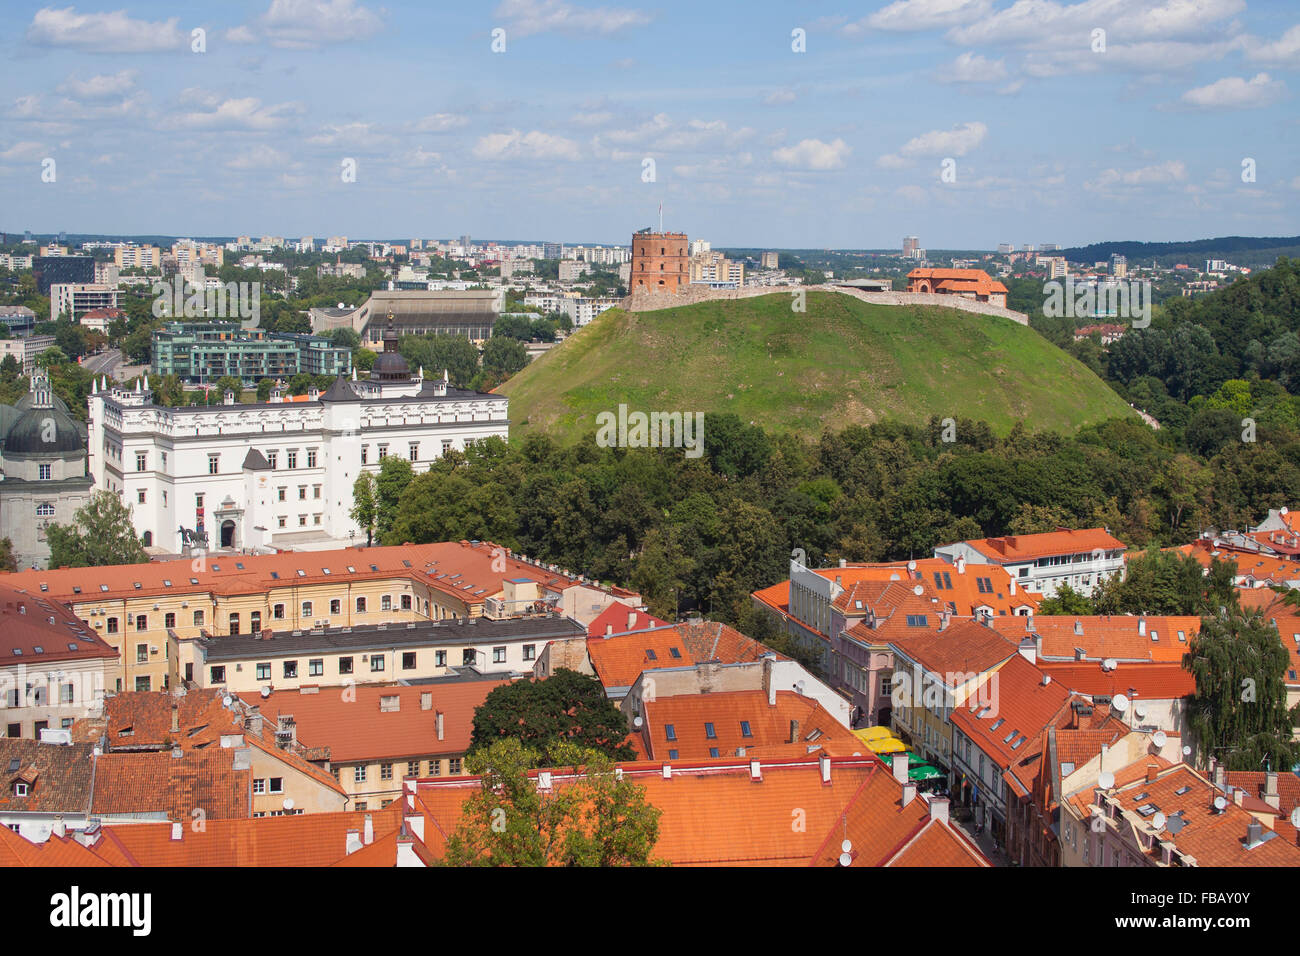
(842,362)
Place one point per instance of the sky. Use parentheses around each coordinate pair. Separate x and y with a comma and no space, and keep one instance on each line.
(817,124)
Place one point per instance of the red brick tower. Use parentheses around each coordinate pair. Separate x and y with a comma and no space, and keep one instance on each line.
(659,262)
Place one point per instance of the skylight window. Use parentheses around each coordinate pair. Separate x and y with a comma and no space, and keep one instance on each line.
(103,587)
(167,582)
(709,732)
(999,722)
(275,575)
(216,567)
(38,649)
(650,654)
(916,620)
(137,585)
(302,573)
(324,570)
(239,565)
(1008,737)
(44,586)
(675,652)
(194,580)
(351,569)
(1182,790)
(670,732)
(76,589)
(744,729)
(72,646)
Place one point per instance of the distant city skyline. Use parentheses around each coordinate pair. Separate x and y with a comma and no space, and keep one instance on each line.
(822,126)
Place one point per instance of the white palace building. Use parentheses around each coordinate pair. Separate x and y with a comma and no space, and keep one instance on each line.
(277,474)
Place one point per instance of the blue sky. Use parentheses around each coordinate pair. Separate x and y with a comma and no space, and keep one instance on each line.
(1056,132)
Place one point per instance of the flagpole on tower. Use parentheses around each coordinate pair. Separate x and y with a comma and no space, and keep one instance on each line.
(661,217)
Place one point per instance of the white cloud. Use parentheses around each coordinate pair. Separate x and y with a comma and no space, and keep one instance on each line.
(353,136)
(813,154)
(245,113)
(1161,174)
(528,17)
(957,141)
(440,123)
(1235,92)
(98,87)
(306,24)
(1285,51)
(916,15)
(970,67)
(531,145)
(259,156)
(105,32)
(597,118)
(779,98)
(24,150)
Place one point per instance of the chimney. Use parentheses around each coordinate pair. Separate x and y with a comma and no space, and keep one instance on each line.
(939,809)
(1028,649)
(1254,832)
(839,581)
(1238,795)
(369,836)
(438,722)
(253,722)
(1013,587)
(794,731)
(961,564)
(1270,790)
(60,828)
(943,620)
(824,764)
(1220,776)
(899,763)
(1153,771)
(229,397)
(1078,626)
(177,830)
(353,841)
(909,791)
(1047,679)
(755,771)
(769,681)
(89,836)
(844,562)
(415,824)
(176,717)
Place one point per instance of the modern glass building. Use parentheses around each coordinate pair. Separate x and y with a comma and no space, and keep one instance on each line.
(204,352)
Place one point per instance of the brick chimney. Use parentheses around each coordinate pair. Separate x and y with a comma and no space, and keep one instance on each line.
(794,731)
(1270,790)
(176,717)
(438,722)
(1153,771)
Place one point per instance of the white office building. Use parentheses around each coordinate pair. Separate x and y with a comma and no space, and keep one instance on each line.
(277,474)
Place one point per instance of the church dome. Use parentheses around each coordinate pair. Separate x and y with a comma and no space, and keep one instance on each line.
(389,365)
(44,431)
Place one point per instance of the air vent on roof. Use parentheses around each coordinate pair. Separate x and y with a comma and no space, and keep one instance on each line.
(275,575)
(44,586)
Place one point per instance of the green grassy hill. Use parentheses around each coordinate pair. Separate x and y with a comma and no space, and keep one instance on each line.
(841,362)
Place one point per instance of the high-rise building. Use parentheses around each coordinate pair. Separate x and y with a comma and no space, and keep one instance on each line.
(62,270)
(1005,248)
(910,245)
(552,250)
(1118,266)
(770,260)
(659,262)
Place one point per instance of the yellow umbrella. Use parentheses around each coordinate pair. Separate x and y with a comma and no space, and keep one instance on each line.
(872,733)
(889,745)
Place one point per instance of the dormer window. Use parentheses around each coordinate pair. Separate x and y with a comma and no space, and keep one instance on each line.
(20,789)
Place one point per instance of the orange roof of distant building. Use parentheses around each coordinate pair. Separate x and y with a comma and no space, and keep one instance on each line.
(469,571)
(1123,637)
(961,648)
(729,713)
(1164,681)
(622,619)
(1015,709)
(975,280)
(619,659)
(36,629)
(153,782)
(358,726)
(1026,547)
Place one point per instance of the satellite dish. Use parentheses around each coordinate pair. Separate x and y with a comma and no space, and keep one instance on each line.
(1159,738)
(1282,510)
(636,721)
(1187,750)
(225,700)
(845,859)
(288,803)
(1140,711)
(846,846)
(1106,780)
(342,306)
(1220,803)
(1120,703)
(911,565)
(1109,664)
(918,590)
(1158,821)
(266,692)
(1295,818)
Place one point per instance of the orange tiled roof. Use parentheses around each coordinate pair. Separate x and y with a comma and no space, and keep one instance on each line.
(198,779)
(938,846)
(57,851)
(1139,681)
(617,615)
(1025,547)
(1101,637)
(769,727)
(357,727)
(964,647)
(1016,709)
(974,280)
(469,572)
(620,659)
(34,628)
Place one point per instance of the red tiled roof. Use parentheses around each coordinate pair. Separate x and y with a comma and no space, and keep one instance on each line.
(770,727)
(1024,547)
(470,572)
(31,620)
(620,659)
(616,616)
(1141,681)
(356,726)
(1121,637)
(1019,703)
(974,280)
(198,779)
(962,648)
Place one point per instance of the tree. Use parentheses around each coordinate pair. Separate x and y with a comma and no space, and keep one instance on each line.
(395,474)
(1067,601)
(363,359)
(52,356)
(504,357)
(344,338)
(591,816)
(364,506)
(1239,711)
(1167,582)
(264,387)
(567,706)
(170,391)
(8,560)
(101,532)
